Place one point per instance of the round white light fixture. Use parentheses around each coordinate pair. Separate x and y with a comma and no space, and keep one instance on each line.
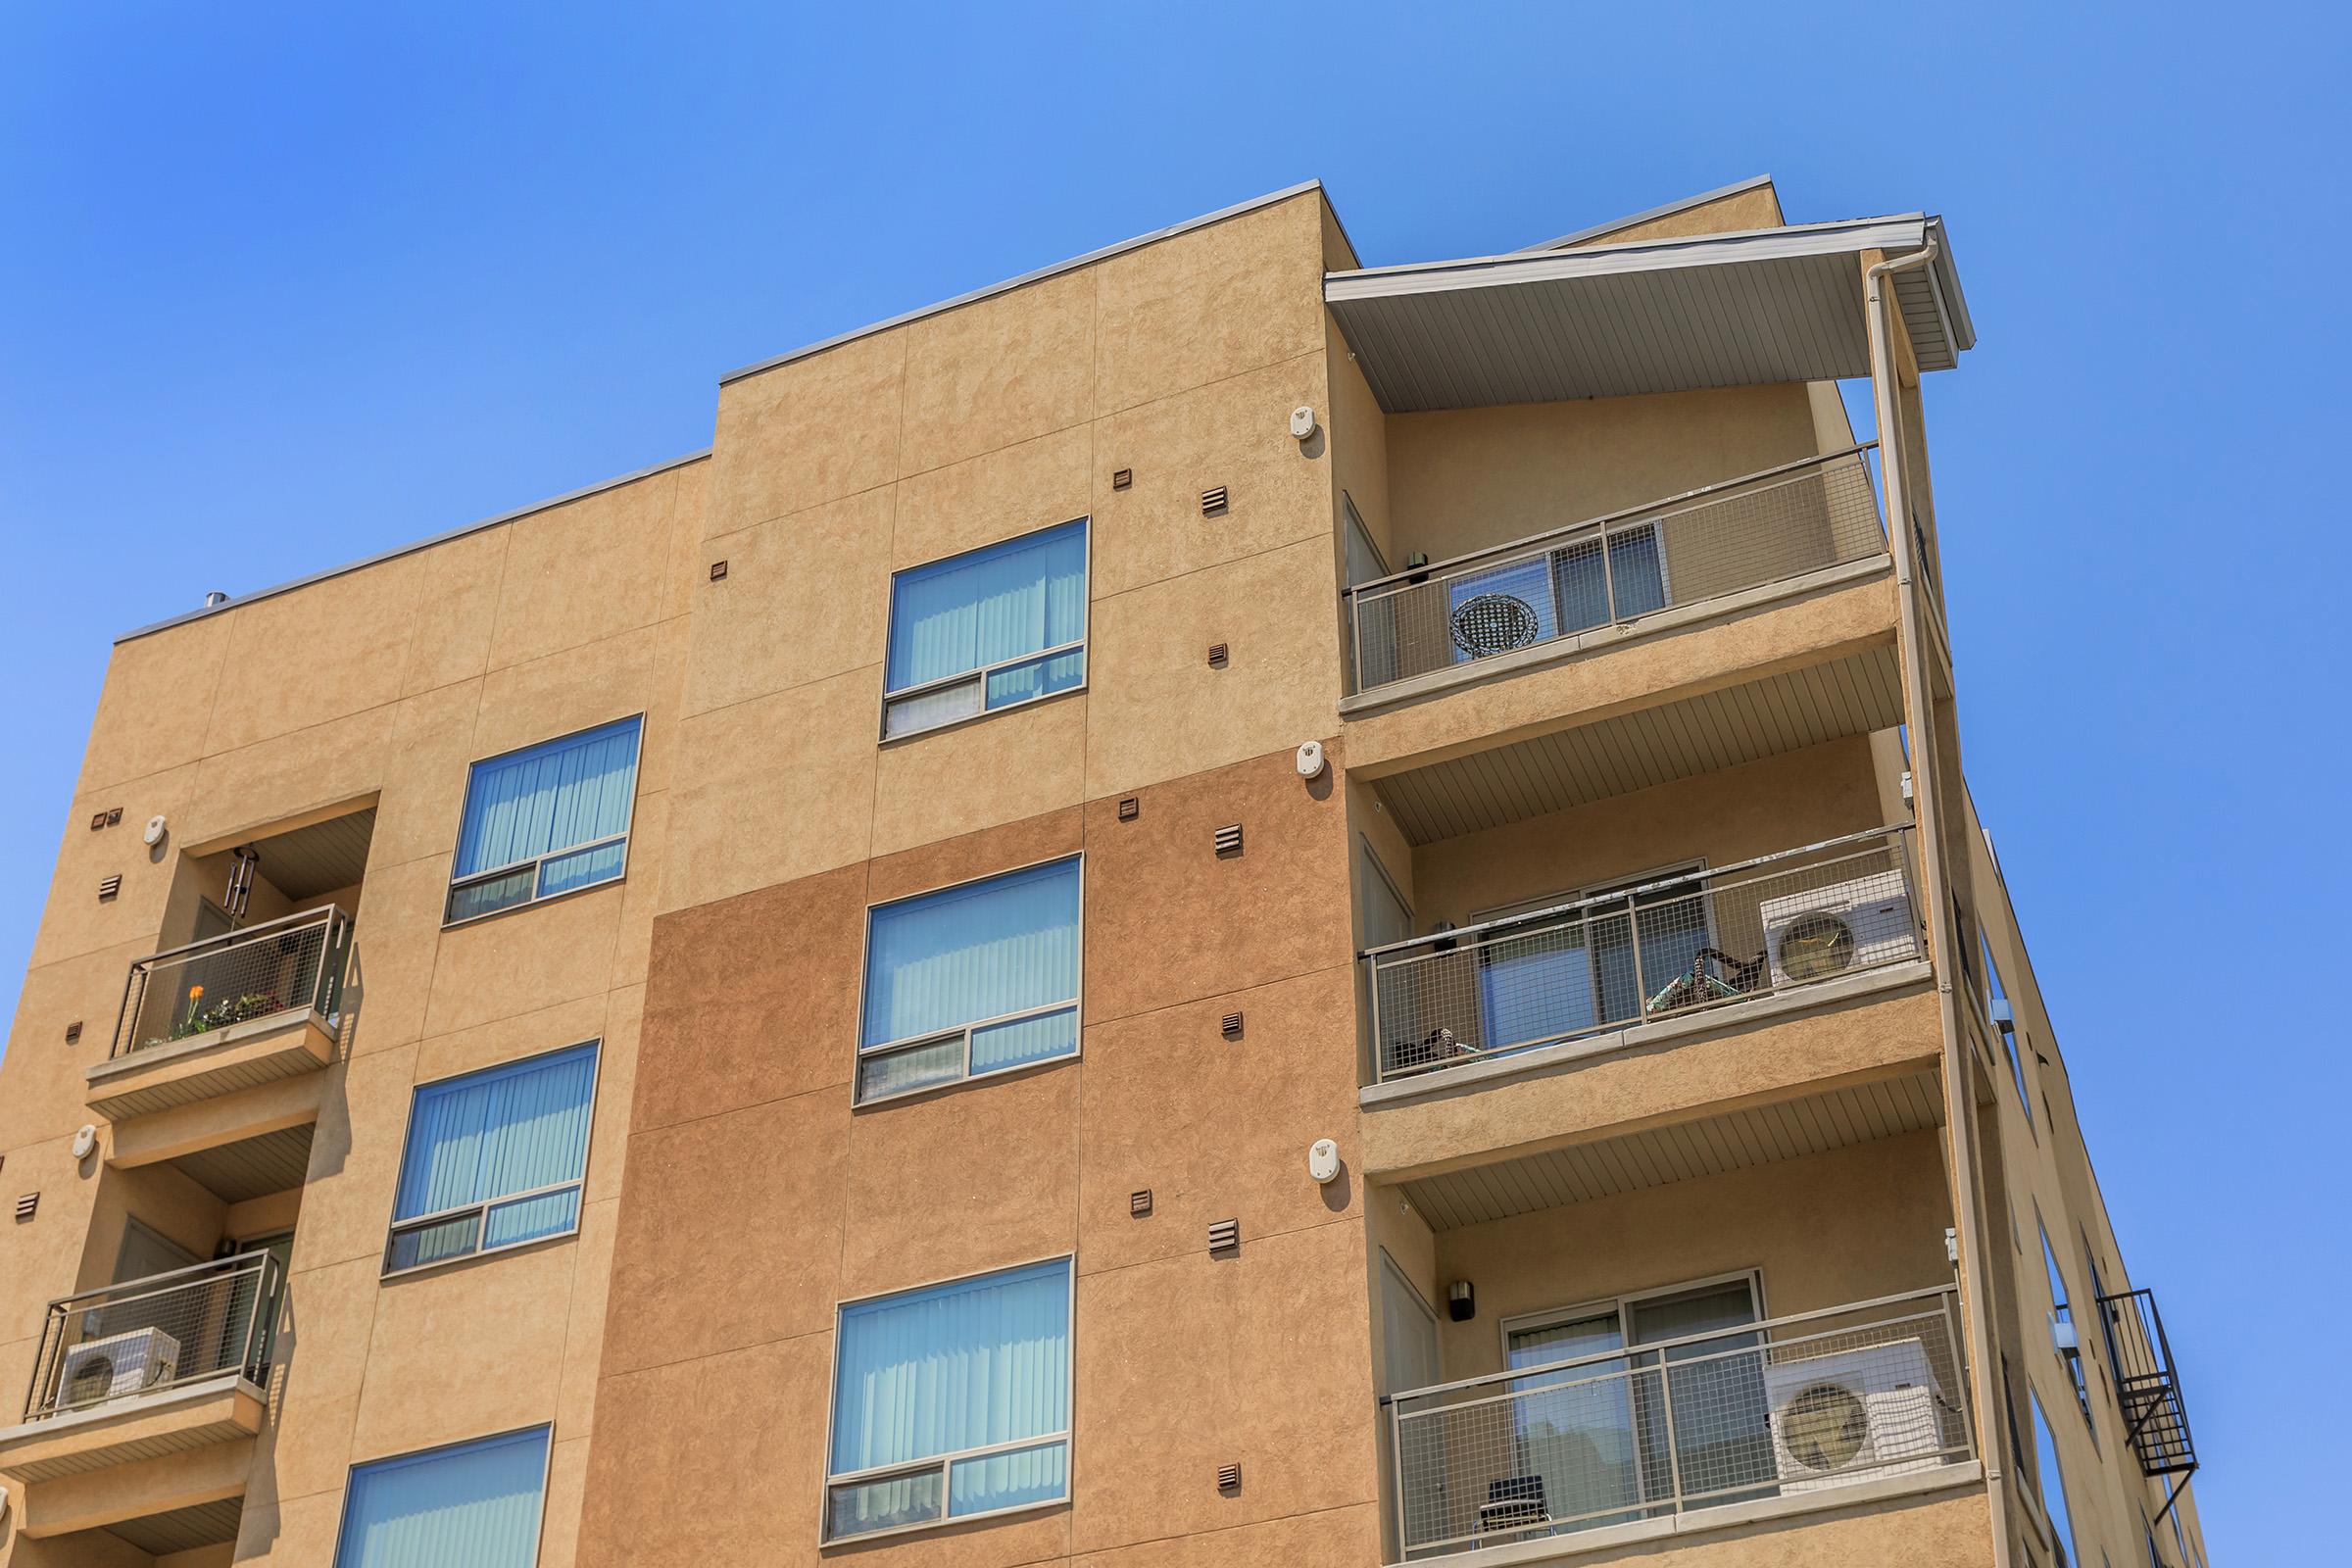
(1323,1161)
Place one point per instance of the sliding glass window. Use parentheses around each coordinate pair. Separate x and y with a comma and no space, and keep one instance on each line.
(951,1402)
(988,629)
(969,980)
(493,1160)
(476,1503)
(548,820)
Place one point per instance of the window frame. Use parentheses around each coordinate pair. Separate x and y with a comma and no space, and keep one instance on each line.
(944,1463)
(2062,1310)
(547,1458)
(1996,990)
(2037,1417)
(626,838)
(1076,1004)
(483,1207)
(980,674)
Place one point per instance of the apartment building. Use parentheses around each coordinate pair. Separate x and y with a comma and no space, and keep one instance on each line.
(1215,907)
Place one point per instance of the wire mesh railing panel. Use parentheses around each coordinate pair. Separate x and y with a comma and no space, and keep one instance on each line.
(1742,534)
(1764,1410)
(235,978)
(1667,948)
(140,1335)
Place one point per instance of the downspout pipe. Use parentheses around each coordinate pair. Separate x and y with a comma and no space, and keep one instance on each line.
(1894,466)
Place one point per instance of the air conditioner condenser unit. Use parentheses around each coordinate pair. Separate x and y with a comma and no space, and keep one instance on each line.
(1854,1415)
(118,1366)
(1824,932)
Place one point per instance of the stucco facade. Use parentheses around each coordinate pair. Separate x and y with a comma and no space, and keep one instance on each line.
(1734,740)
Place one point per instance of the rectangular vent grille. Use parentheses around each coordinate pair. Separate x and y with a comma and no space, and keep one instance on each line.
(1229,1478)
(1130,808)
(1139,1204)
(1217,657)
(26,1204)
(1233,1026)
(74,1032)
(110,887)
(1213,501)
(1225,1236)
(1229,839)
(719,570)
(1121,479)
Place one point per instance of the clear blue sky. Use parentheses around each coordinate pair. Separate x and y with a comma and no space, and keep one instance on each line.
(286,284)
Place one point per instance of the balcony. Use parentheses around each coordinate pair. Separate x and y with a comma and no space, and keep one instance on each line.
(1824,1408)
(145,1397)
(1651,959)
(1702,555)
(2147,1386)
(231,1012)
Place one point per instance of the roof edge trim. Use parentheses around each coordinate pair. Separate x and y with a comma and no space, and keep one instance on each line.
(397,550)
(1904,231)
(1026,279)
(1736,188)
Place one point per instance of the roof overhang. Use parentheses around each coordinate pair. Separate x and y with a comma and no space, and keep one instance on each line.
(1657,316)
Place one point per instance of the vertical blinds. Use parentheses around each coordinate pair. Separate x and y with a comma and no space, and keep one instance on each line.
(972,611)
(979,951)
(477,1503)
(490,1134)
(547,798)
(937,1372)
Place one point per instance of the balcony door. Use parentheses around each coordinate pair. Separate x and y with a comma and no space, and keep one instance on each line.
(1619,1438)
(1577,971)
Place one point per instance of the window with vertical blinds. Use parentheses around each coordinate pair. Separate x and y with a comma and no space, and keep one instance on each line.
(547,819)
(951,1402)
(494,1159)
(475,1503)
(986,629)
(973,979)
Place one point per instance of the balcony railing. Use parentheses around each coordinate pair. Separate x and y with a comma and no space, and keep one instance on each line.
(1669,948)
(1793,1406)
(293,963)
(122,1340)
(1704,544)
(2147,1386)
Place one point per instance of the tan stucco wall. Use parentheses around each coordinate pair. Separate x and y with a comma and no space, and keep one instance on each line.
(1462,479)
(411,668)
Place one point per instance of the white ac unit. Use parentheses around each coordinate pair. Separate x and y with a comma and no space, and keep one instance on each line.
(1846,926)
(1853,1415)
(118,1366)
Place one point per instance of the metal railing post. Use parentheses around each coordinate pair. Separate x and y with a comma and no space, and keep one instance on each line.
(1632,940)
(1673,1459)
(1609,576)
(1397,1469)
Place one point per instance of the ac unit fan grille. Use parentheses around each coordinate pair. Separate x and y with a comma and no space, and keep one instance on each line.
(1816,946)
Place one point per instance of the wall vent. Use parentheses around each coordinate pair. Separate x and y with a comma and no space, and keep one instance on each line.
(1213,501)
(1224,1235)
(106,818)
(110,887)
(1232,1027)
(1130,808)
(74,1032)
(1217,655)
(719,570)
(27,1203)
(1229,839)
(1121,479)
(1139,1204)
(1229,1478)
